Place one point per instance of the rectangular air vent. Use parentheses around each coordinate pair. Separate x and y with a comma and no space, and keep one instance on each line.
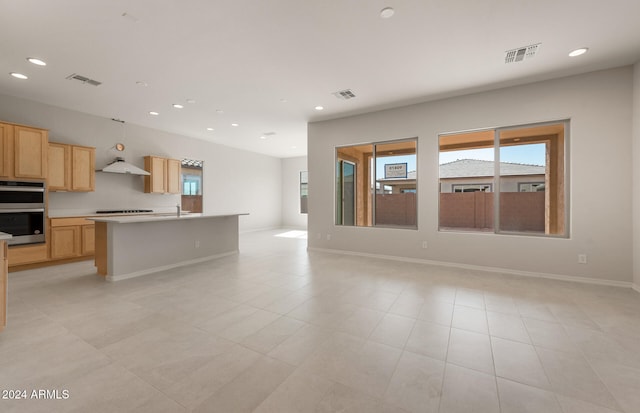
(521,53)
(344,94)
(83,79)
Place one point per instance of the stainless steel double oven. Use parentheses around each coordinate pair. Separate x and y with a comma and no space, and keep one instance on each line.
(22,211)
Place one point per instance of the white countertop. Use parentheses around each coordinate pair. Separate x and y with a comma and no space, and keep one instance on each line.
(4,235)
(130,219)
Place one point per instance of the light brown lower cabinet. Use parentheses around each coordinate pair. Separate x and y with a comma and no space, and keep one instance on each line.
(27,254)
(88,239)
(65,242)
(4,270)
(71,238)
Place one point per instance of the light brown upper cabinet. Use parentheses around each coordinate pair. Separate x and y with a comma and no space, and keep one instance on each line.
(165,175)
(23,152)
(71,168)
(173,176)
(156,182)
(6,131)
(59,178)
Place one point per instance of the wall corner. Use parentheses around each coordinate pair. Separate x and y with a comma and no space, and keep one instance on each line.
(635,162)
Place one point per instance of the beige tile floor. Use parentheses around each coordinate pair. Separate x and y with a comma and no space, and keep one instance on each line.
(278,329)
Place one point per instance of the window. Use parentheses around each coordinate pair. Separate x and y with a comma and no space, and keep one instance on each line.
(304,192)
(525,165)
(191,184)
(376,184)
(191,172)
(471,187)
(530,186)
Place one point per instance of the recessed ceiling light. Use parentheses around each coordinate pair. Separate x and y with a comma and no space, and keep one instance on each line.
(319,107)
(152,113)
(219,111)
(141,83)
(178,106)
(234,124)
(578,52)
(36,61)
(293,147)
(387,12)
(263,137)
(191,101)
(209,129)
(18,75)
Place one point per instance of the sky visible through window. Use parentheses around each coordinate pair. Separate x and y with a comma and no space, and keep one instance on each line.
(533,154)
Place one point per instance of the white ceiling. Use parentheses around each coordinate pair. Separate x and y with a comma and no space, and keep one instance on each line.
(245,56)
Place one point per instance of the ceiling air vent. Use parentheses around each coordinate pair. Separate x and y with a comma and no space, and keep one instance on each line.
(518,55)
(344,94)
(83,79)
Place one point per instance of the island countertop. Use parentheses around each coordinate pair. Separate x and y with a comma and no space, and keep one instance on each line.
(4,235)
(130,219)
(134,245)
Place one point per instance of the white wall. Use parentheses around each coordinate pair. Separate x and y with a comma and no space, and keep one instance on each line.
(636,176)
(291,216)
(599,106)
(234,180)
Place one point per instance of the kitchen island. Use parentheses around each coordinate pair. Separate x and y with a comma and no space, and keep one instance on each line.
(130,246)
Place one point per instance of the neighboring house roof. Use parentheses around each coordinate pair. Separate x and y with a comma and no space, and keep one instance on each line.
(464,168)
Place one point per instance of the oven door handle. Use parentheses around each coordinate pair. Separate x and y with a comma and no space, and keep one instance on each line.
(14,210)
(20,189)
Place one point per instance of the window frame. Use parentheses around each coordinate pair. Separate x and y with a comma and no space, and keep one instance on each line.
(566,234)
(488,185)
(521,184)
(372,177)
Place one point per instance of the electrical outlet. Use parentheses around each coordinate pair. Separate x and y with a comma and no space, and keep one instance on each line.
(424,244)
(197,243)
(328,237)
(582,258)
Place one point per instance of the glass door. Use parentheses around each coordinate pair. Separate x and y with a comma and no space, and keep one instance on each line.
(346,193)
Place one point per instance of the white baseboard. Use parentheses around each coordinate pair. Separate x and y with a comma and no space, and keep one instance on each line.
(559,277)
(121,277)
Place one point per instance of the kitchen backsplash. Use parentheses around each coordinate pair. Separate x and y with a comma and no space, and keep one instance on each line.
(113,191)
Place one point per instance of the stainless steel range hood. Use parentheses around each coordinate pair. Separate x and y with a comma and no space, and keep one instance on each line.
(119,166)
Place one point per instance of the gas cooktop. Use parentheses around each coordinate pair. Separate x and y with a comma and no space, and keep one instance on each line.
(123,211)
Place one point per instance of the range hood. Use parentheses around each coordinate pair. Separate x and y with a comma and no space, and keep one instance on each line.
(119,166)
